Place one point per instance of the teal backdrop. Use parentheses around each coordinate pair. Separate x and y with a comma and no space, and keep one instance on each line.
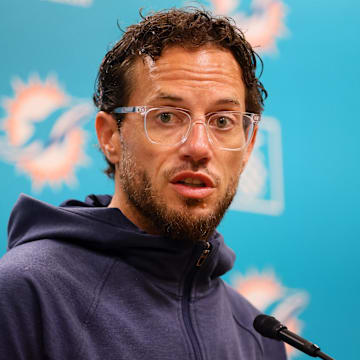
(294,224)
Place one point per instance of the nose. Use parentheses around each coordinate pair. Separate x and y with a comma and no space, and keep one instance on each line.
(197,146)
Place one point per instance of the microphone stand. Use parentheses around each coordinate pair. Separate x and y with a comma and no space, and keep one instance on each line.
(270,327)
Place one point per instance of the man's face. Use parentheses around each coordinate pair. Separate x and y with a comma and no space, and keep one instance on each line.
(183,190)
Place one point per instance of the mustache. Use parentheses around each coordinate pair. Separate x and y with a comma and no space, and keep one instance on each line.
(170,173)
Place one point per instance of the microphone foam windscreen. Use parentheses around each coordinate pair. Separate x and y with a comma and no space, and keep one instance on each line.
(267,326)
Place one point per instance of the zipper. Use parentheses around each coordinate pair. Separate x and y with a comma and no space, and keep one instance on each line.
(188,284)
(204,255)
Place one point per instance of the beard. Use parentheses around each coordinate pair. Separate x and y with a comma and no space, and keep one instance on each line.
(177,225)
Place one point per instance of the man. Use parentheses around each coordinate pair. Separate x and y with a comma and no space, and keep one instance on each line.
(136,275)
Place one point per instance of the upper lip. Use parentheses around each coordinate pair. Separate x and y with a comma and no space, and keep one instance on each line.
(189,174)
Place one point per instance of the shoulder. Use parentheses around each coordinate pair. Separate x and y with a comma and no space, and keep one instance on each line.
(244,314)
(26,259)
(28,269)
(47,254)
(47,268)
(36,259)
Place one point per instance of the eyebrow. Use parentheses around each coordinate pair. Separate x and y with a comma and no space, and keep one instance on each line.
(228,101)
(165,96)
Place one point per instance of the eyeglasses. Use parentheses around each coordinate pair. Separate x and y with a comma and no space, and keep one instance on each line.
(227,130)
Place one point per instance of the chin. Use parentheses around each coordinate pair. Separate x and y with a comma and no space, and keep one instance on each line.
(197,206)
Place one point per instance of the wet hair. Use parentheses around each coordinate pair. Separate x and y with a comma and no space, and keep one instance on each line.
(189,28)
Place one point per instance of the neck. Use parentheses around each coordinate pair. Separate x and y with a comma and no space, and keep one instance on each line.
(121,201)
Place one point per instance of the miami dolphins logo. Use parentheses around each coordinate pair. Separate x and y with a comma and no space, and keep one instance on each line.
(43,135)
(266,292)
(262,27)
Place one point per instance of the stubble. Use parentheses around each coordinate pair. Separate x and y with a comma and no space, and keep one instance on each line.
(180,225)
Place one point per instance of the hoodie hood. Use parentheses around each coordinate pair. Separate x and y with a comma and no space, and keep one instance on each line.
(92,225)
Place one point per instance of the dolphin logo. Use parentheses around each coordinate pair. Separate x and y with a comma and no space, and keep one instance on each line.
(262,27)
(49,158)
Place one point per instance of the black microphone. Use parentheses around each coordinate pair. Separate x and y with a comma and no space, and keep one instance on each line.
(269,327)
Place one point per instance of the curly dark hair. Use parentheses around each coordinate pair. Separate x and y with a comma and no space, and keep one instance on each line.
(190,28)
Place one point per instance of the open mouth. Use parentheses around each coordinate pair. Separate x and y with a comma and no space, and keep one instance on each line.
(192,182)
(193,185)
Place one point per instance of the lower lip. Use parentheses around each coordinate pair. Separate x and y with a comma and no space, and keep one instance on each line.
(192,191)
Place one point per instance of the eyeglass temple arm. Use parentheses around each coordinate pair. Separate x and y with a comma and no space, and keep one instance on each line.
(128,109)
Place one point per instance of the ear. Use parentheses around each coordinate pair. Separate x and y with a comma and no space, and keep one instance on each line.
(250,147)
(108,136)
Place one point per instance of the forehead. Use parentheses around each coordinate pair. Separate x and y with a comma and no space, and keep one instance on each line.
(189,72)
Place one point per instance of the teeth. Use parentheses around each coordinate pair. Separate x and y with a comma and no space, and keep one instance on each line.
(192,181)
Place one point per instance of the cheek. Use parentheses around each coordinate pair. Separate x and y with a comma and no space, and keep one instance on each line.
(134,142)
(150,159)
(234,165)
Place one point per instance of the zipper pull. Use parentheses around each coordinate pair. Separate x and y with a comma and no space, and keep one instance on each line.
(204,255)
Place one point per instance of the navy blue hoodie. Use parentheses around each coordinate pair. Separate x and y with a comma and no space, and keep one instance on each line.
(80,281)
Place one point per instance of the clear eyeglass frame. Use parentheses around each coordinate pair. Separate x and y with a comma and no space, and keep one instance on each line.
(144,110)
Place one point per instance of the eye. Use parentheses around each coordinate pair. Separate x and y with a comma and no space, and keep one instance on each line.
(165,117)
(221,122)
